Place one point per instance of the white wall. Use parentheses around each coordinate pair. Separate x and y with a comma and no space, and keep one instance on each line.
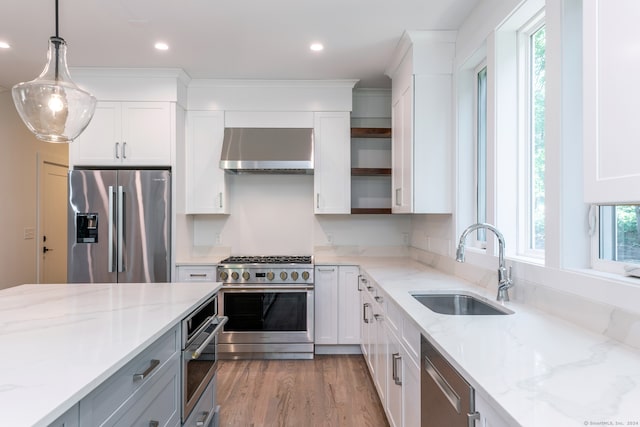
(273,214)
(18,175)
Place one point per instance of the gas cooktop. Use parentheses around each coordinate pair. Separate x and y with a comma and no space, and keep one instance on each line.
(269,259)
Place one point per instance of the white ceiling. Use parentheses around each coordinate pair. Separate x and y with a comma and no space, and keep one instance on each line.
(256,39)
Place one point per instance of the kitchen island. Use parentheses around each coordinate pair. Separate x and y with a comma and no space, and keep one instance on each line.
(60,342)
(532,368)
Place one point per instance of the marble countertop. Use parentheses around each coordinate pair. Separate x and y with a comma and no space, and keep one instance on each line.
(59,342)
(536,369)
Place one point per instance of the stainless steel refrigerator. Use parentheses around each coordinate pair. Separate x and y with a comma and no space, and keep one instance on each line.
(119,226)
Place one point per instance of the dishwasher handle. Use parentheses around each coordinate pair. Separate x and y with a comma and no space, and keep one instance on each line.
(443,385)
(472,418)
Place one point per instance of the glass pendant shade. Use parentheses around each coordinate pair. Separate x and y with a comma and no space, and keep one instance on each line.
(52,106)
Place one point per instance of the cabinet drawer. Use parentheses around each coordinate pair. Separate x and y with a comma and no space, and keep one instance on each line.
(205,409)
(411,338)
(98,406)
(157,401)
(200,273)
(394,318)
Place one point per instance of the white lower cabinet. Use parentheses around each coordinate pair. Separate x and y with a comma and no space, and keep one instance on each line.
(196,273)
(403,385)
(145,392)
(388,341)
(336,305)
(374,340)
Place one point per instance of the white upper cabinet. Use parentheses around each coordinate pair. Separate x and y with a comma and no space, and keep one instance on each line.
(422,138)
(332,158)
(127,134)
(206,184)
(611,105)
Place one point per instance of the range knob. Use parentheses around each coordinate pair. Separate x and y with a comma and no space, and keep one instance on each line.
(305,275)
(235,275)
(283,275)
(224,275)
(270,275)
(294,275)
(246,275)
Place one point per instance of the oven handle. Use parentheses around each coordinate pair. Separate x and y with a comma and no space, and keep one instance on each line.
(266,288)
(222,320)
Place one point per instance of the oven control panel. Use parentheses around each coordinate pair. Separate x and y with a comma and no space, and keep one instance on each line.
(278,274)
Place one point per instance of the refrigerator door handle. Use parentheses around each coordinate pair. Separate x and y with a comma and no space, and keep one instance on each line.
(120,229)
(110,229)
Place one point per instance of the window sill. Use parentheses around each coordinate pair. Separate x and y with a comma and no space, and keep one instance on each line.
(603,275)
(527,259)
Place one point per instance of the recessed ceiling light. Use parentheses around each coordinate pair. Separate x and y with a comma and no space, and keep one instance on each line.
(161,46)
(316,47)
(4,45)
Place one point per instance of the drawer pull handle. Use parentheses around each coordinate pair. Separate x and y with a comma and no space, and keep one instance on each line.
(152,365)
(378,298)
(198,275)
(154,424)
(203,419)
(222,320)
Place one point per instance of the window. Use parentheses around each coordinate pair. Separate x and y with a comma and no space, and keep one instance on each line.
(481,153)
(619,236)
(531,239)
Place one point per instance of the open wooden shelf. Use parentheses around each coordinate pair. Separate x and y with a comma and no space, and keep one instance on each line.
(370,171)
(370,132)
(371,210)
(372,180)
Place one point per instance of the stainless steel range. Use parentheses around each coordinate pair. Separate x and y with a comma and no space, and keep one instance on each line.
(269,303)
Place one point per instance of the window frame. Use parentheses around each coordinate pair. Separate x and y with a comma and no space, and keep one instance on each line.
(597,263)
(479,239)
(526,227)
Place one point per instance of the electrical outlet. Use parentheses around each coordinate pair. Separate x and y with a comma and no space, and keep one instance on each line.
(330,239)
(29,233)
(405,238)
(218,239)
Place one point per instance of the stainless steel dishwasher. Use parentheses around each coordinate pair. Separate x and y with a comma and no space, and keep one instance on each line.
(447,399)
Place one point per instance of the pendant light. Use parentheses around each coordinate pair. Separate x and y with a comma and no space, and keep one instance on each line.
(52,106)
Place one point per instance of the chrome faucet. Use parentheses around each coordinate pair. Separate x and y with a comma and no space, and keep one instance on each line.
(504,275)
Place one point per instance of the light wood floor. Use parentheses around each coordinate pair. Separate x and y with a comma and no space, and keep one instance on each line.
(327,391)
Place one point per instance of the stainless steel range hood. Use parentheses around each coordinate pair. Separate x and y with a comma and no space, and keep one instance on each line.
(267,150)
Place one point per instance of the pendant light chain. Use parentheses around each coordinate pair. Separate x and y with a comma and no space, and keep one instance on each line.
(57,44)
(57,19)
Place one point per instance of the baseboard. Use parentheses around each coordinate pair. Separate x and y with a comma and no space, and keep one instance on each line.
(338,349)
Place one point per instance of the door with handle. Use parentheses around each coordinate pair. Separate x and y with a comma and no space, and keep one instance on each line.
(53,256)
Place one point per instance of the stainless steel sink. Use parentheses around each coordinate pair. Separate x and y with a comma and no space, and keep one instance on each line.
(460,304)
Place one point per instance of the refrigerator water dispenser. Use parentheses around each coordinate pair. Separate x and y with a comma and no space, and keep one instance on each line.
(87,228)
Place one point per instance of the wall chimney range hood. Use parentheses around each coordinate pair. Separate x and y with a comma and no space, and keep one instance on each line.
(267,150)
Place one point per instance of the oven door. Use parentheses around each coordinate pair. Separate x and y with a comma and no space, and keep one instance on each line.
(199,363)
(276,315)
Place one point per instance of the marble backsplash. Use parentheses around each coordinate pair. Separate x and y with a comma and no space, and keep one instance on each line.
(613,322)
